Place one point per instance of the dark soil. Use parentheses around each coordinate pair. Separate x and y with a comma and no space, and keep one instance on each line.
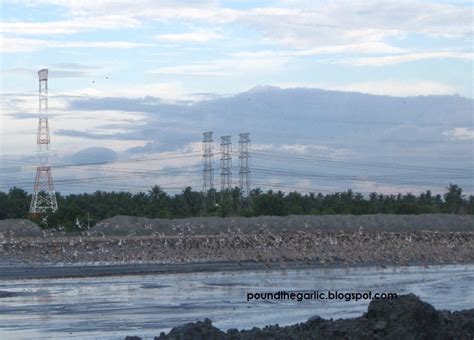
(404,318)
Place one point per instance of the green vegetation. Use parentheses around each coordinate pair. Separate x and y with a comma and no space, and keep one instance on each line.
(87,209)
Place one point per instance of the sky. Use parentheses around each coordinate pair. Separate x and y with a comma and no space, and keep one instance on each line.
(175,49)
(133,79)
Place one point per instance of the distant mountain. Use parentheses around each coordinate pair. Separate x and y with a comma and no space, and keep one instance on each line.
(270,101)
(421,128)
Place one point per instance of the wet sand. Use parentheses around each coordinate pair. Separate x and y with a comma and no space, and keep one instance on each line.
(15,272)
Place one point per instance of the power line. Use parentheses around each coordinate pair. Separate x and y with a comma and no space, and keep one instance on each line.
(132,160)
(339,162)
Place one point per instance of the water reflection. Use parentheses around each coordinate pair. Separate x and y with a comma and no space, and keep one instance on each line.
(112,307)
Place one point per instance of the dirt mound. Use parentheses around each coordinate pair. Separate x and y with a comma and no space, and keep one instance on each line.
(19,228)
(404,318)
(128,225)
(198,330)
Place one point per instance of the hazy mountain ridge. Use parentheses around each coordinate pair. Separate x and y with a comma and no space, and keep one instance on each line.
(312,115)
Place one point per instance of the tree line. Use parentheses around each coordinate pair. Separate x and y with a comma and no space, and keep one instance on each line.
(82,210)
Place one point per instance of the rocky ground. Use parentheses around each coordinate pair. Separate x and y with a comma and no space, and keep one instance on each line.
(404,318)
(275,241)
(339,247)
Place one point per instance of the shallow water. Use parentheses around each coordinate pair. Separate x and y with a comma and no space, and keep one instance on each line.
(112,307)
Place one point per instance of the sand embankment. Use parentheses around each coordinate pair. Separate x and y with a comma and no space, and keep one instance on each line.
(126,225)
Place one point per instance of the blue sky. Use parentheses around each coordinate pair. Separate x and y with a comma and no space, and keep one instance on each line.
(178,53)
(396,48)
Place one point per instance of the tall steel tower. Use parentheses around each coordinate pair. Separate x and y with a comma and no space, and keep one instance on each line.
(44,197)
(226,163)
(244,163)
(208,162)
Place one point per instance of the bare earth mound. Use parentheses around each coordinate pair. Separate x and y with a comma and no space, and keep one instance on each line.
(140,226)
(19,228)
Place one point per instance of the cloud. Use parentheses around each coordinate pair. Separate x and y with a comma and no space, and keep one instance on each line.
(93,135)
(21,45)
(71,26)
(400,88)
(302,149)
(27,115)
(164,145)
(304,24)
(461,134)
(193,37)
(367,186)
(224,67)
(298,24)
(75,66)
(409,57)
(172,91)
(310,128)
(196,70)
(92,155)
(383,87)
(55,71)
(368,47)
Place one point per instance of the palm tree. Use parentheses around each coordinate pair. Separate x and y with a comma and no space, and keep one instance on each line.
(156,194)
(453,198)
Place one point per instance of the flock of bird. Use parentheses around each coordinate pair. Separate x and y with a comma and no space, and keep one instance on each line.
(271,248)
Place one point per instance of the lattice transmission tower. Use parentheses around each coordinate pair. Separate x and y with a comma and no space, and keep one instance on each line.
(226,163)
(208,162)
(44,197)
(244,163)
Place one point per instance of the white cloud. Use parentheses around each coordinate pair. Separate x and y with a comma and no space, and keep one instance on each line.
(306,24)
(16,45)
(383,87)
(59,70)
(194,37)
(409,57)
(200,70)
(367,186)
(368,47)
(223,67)
(461,133)
(302,149)
(364,47)
(68,26)
(399,88)
(300,24)
(167,91)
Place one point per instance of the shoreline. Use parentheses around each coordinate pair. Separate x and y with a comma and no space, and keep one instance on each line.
(85,270)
